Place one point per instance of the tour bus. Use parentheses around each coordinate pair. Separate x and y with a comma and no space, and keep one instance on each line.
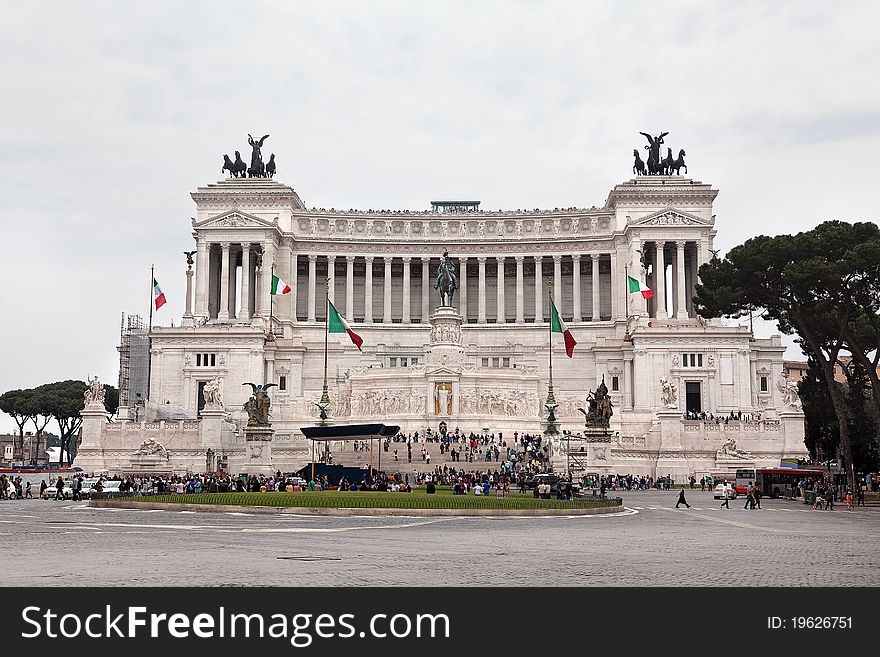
(774,481)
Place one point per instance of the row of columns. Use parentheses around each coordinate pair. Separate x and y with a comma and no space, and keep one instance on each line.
(463,287)
(682,280)
(216,290)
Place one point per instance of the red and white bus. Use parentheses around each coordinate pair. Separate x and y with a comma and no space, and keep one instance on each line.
(773,482)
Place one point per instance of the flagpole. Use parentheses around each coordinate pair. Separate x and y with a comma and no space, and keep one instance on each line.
(149,330)
(271,337)
(551,398)
(550,326)
(626,295)
(325,397)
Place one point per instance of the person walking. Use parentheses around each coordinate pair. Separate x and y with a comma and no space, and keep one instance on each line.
(727,495)
(681,499)
(59,489)
(750,497)
(757,495)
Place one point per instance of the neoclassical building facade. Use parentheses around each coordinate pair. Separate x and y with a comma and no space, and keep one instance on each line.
(484,365)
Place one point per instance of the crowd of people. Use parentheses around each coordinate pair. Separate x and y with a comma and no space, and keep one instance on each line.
(733,416)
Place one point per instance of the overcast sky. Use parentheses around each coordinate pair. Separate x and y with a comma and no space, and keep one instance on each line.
(114,112)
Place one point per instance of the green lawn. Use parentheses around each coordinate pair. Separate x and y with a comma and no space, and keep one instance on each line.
(418,499)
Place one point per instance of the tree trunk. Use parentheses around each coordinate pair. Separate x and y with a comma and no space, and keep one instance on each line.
(834,391)
(858,355)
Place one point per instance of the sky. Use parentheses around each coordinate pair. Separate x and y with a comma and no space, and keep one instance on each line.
(114,112)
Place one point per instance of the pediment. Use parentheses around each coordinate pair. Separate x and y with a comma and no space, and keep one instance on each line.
(670,217)
(233,219)
(443,370)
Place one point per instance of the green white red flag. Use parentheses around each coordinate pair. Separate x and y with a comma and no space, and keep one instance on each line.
(558,326)
(636,285)
(279,286)
(336,324)
(158,295)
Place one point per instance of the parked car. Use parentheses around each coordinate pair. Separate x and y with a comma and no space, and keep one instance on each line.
(725,490)
(52,490)
(543,478)
(107,486)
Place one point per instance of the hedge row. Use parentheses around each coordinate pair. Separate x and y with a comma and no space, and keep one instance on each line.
(375,500)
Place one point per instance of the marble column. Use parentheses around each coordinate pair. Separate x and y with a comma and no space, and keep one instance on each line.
(557,282)
(386,297)
(312,279)
(202,277)
(426,289)
(368,291)
(223,312)
(500,317)
(233,266)
(481,290)
(520,291)
(539,288)
(331,278)
(294,286)
(660,282)
(462,287)
(595,309)
(349,288)
(618,310)
(638,305)
(406,291)
(266,276)
(245,312)
(576,286)
(681,311)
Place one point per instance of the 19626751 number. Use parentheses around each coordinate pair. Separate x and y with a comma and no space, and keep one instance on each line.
(810,623)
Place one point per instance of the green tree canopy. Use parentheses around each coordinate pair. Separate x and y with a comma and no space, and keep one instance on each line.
(815,285)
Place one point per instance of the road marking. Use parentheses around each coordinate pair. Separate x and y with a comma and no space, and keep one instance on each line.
(744,525)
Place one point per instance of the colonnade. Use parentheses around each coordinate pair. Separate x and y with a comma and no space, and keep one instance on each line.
(492,290)
(586,287)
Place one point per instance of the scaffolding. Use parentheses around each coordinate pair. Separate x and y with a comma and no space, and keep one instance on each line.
(134,360)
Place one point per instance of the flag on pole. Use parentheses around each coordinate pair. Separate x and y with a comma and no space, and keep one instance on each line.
(279,286)
(336,324)
(637,286)
(558,326)
(158,295)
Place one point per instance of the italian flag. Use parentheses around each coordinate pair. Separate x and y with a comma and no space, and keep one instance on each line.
(558,326)
(158,295)
(279,286)
(636,286)
(336,324)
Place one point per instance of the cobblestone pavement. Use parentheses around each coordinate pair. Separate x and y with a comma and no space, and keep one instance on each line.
(651,543)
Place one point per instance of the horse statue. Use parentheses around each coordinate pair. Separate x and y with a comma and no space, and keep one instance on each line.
(667,162)
(270,166)
(447,283)
(228,165)
(678,163)
(240,166)
(639,165)
(258,171)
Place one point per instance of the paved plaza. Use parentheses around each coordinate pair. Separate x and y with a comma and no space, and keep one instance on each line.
(650,543)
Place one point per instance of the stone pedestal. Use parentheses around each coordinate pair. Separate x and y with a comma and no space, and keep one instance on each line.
(672,460)
(792,425)
(90,455)
(258,451)
(210,425)
(445,348)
